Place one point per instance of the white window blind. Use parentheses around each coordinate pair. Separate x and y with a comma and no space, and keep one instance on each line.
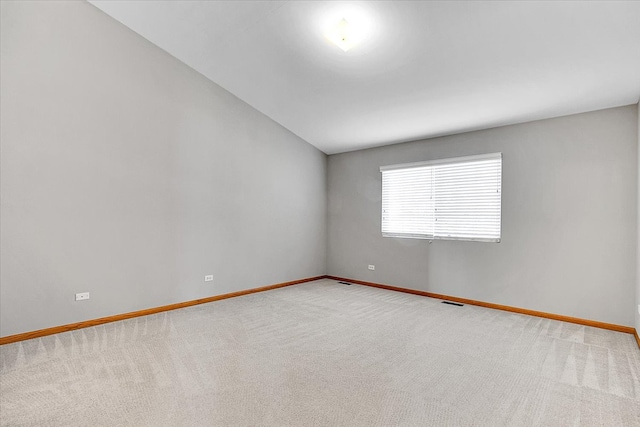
(455,199)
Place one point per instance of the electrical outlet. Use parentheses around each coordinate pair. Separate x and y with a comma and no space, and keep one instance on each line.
(638,308)
(82,296)
(372,267)
(208,278)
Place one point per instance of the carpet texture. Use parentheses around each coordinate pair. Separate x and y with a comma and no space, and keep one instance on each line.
(324,354)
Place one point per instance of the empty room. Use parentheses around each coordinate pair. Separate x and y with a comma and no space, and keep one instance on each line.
(319,213)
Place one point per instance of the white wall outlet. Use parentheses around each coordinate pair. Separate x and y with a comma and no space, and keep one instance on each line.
(372,267)
(638,308)
(208,278)
(82,296)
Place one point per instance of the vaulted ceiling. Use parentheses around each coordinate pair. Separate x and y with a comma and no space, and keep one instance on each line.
(424,69)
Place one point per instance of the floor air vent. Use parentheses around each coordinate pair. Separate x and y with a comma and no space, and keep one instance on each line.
(452,303)
(344,283)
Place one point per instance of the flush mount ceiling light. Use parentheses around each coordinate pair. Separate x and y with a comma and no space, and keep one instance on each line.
(342,35)
(347,28)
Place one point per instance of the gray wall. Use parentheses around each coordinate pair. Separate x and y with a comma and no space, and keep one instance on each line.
(637,308)
(129,175)
(568,219)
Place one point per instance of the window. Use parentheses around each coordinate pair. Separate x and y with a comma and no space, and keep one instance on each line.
(451,199)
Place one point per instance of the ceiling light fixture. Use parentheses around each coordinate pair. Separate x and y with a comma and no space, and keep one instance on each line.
(347,27)
(341,35)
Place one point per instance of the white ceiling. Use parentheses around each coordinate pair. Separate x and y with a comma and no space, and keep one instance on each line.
(427,69)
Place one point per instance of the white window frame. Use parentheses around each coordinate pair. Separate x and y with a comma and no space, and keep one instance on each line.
(475,215)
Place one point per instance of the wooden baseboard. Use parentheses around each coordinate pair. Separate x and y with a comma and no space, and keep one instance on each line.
(603,325)
(94,322)
(87,323)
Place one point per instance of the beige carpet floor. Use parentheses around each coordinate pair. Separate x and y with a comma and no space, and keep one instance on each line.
(324,354)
